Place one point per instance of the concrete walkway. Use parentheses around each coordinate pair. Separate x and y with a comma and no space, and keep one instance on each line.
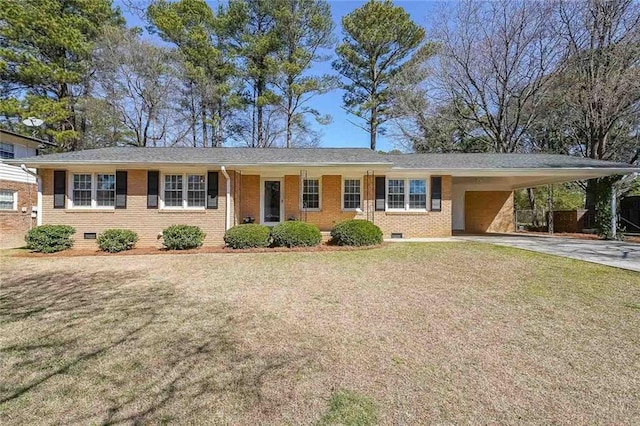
(612,253)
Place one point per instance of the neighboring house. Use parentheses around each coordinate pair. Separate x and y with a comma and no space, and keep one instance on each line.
(18,191)
(406,195)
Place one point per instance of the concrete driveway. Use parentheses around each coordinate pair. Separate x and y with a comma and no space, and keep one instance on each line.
(612,253)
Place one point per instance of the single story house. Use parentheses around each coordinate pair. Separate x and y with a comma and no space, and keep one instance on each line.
(18,191)
(406,195)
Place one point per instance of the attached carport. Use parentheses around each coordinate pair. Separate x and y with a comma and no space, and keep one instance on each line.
(482,192)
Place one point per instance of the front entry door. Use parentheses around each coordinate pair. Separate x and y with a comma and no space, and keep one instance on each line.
(272,201)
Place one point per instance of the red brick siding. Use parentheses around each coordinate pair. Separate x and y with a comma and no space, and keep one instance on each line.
(148,223)
(488,211)
(15,224)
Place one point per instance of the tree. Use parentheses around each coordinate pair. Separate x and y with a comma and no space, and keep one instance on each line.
(495,62)
(305,27)
(378,38)
(203,39)
(45,51)
(137,82)
(601,81)
(257,43)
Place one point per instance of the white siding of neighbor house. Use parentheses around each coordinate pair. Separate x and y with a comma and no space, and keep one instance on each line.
(15,174)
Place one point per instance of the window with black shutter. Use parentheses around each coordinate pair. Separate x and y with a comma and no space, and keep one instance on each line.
(121,189)
(212,190)
(153,179)
(380,193)
(436,193)
(59,188)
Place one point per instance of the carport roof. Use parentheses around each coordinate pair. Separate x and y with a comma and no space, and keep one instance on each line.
(309,157)
(499,161)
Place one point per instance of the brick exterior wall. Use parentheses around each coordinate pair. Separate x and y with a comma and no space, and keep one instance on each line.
(148,223)
(488,211)
(15,224)
(417,224)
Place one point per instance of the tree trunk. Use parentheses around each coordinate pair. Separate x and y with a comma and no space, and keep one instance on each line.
(205,134)
(260,110)
(373,127)
(532,205)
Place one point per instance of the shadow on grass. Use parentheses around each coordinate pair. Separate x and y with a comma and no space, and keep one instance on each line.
(112,347)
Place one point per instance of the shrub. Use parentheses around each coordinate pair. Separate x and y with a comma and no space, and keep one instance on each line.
(50,238)
(356,232)
(296,234)
(247,236)
(182,237)
(116,240)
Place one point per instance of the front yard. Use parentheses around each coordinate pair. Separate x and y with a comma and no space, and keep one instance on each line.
(405,334)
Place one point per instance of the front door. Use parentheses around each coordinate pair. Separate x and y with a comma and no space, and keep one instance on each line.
(272,201)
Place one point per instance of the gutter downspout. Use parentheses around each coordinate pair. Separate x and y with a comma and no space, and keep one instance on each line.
(39,202)
(227,220)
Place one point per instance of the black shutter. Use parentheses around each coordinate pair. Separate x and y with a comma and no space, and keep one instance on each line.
(59,188)
(380,193)
(121,189)
(153,183)
(436,194)
(212,190)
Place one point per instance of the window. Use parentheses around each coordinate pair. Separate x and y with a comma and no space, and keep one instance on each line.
(177,194)
(8,200)
(106,190)
(173,190)
(196,193)
(6,150)
(93,190)
(311,194)
(351,194)
(417,194)
(395,197)
(407,194)
(82,190)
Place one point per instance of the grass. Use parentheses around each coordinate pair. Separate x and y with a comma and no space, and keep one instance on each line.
(405,334)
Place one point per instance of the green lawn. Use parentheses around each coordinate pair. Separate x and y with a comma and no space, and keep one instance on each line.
(404,334)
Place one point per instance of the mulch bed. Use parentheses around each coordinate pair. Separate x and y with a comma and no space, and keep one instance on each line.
(202,250)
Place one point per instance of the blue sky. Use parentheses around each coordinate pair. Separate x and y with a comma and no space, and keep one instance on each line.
(342,133)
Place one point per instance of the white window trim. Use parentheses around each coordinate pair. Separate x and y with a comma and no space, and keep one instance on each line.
(185,191)
(15,200)
(302,208)
(344,209)
(406,193)
(94,190)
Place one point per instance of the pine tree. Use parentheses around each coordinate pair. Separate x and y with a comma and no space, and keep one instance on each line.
(378,38)
(45,52)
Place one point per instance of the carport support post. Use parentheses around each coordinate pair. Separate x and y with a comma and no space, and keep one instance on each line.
(614,215)
(550,212)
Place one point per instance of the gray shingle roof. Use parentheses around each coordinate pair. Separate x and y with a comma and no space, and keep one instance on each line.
(316,156)
(222,156)
(497,161)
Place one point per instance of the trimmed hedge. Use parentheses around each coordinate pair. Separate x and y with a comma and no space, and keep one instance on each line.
(182,237)
(50,238)
(296,234)
(116,240)
(356,232)
(248,235)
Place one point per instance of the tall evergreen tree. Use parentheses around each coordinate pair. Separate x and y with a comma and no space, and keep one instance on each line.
(203,39)
(258,43)
(305,27)
(378,38)
(45,52)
